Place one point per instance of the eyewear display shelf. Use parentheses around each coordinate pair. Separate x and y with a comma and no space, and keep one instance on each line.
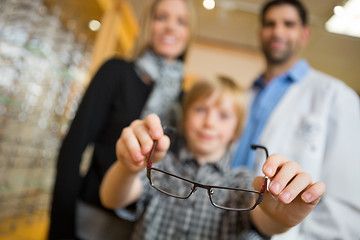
(42,77)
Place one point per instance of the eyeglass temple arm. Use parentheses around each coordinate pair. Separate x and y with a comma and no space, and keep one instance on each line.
(262,147)
(149,162)
(264,186)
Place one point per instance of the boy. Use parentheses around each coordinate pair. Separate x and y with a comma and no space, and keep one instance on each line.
(213,114)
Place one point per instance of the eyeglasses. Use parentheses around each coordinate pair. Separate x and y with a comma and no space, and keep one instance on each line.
(227,198)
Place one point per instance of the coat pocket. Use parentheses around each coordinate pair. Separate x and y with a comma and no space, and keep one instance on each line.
(309,136)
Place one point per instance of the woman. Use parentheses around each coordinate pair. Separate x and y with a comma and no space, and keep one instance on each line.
(121,91)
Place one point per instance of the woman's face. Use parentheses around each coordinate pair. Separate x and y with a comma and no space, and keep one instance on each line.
(170,28)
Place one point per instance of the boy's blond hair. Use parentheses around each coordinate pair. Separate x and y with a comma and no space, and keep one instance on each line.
(225,86)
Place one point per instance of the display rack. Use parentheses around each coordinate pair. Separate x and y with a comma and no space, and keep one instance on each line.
(42,78)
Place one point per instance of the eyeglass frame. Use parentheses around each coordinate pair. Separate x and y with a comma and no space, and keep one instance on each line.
(209,188)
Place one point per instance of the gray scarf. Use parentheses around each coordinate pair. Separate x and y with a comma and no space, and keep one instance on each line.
(167,78)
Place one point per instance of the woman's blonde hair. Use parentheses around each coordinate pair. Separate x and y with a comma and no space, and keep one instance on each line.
(143,41)
(224,86)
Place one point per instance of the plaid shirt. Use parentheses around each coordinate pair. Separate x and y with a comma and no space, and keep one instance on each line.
(163,217)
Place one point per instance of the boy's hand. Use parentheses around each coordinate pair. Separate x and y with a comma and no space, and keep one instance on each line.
(136,141)
(292,195)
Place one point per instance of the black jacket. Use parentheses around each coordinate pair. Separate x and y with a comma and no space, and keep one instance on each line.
(114,98)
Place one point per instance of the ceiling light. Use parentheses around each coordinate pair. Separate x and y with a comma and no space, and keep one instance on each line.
(209,4)
(94,25)
(346,20)
(339,10)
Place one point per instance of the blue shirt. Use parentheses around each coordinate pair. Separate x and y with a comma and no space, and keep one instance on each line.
(263,104)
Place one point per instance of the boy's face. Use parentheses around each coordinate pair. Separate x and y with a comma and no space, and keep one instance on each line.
(209,127)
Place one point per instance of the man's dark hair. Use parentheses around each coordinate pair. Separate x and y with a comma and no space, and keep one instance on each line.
(295,3)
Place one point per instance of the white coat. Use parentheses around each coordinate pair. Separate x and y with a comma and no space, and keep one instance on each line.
(317,124)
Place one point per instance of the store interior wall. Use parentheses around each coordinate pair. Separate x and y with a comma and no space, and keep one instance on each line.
(326,52)
(207,59)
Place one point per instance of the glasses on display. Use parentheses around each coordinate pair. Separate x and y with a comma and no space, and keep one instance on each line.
(227,198)
(42,80)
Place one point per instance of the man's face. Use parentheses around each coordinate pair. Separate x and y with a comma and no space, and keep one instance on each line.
(282,34)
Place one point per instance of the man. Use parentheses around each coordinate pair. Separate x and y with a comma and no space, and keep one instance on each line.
(306,116)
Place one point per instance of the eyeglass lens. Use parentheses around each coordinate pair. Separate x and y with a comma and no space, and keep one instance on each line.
(171,185)
(233,199)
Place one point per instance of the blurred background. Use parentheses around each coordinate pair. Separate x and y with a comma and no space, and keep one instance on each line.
(49,49)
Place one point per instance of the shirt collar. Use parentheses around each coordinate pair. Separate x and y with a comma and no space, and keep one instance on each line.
(299,70)
(295,74)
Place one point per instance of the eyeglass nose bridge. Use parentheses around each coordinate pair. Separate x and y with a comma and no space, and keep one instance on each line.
(198,185)
(210,192)
(193,188)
